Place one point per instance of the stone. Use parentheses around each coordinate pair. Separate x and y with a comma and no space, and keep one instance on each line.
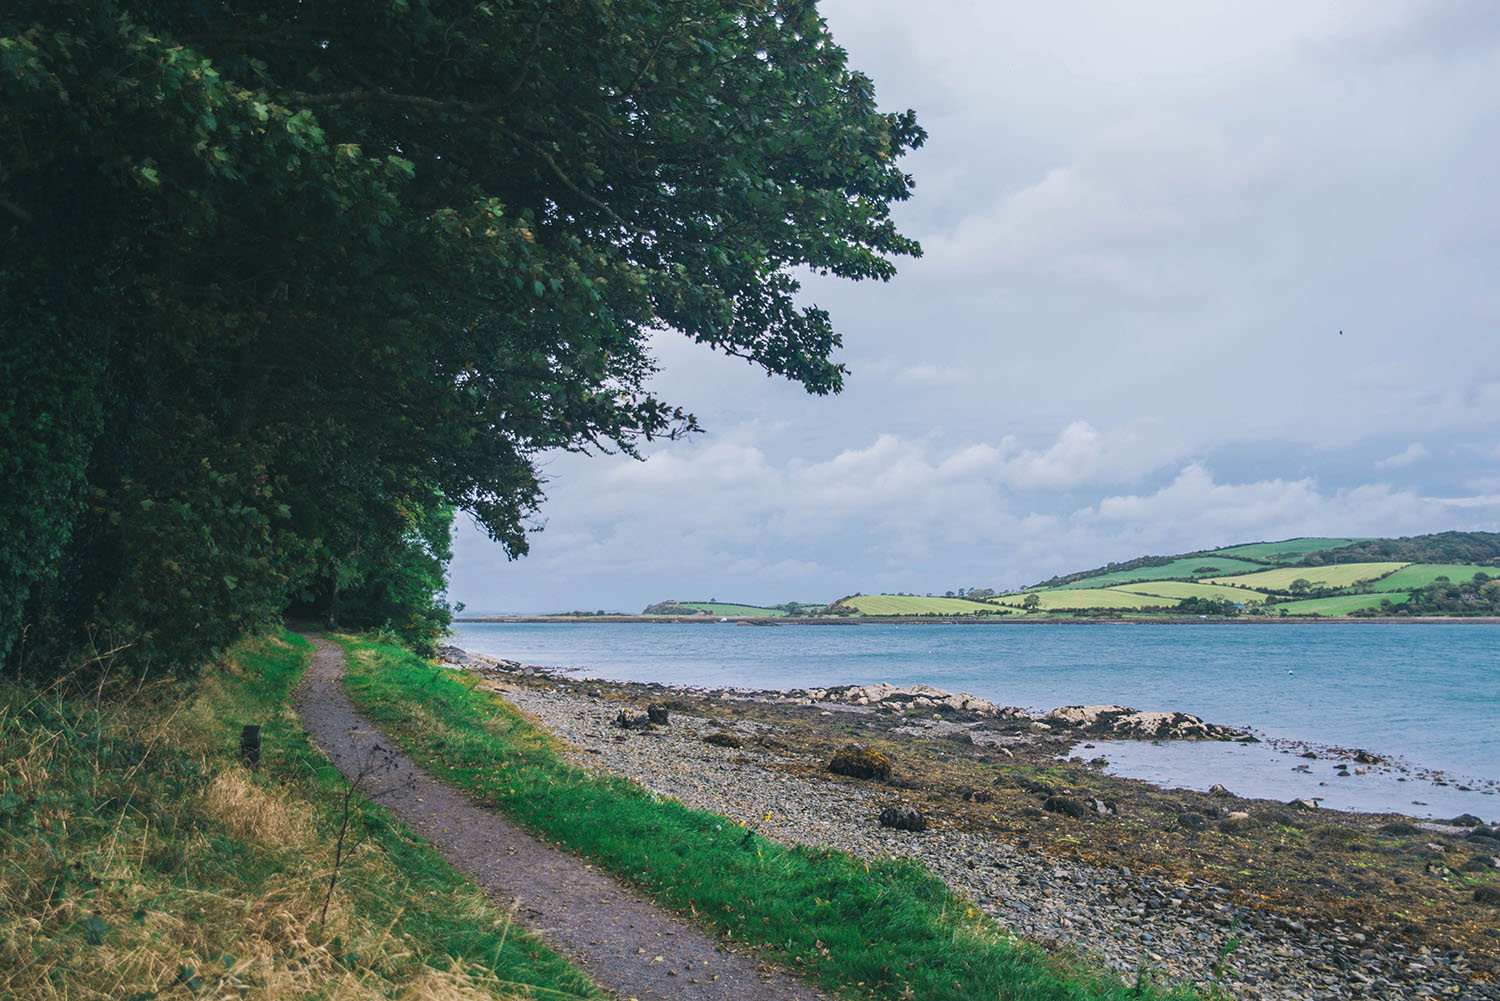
(1103,807)
(1487,895)
(1401,829)
(861,762)
(903,818)
(1236,823)
(723,740)
(657,713)
(1302,804)
(1218,790)
(976,796)
(1465,820)
(1066,805)
(1479,863)
(594,693)
(1192,821)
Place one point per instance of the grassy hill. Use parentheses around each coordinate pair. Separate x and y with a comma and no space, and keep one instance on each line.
(1307,577)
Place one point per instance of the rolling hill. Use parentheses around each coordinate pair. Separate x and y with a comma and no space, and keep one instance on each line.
(1301,577)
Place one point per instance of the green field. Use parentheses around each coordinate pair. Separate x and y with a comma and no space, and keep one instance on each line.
(1063,598)
(1179,589)
(728,608)
(1181,569)
(1279,551)
(1421,574)
(1337,575)
(1339,604)
(904,604)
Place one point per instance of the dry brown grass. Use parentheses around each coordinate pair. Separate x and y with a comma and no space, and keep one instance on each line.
(148,863)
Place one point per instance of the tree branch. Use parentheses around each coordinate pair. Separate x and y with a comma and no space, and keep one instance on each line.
(379,95)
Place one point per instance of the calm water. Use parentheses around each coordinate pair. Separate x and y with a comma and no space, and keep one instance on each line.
(1428,694)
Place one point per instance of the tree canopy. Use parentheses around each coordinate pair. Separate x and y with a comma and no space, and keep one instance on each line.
(285,284)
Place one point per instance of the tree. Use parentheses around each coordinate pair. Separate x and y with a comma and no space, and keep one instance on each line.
(282,281)
(1031,602)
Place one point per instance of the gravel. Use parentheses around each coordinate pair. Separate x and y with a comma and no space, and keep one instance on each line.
(1128,921)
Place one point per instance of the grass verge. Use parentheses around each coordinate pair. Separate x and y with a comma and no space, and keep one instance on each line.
(139,859)
(889,930)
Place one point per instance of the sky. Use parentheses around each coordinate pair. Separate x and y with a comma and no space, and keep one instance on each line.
(1195,273)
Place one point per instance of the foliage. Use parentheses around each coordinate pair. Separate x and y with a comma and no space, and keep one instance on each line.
(1181,568)
(1196,605)
(143,860)
(889,926)
(1476,597)
(1442,547)
(284,284)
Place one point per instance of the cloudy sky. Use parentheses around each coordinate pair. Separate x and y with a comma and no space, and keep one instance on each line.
(1146,226)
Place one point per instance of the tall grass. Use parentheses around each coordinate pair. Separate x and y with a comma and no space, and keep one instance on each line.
(139,859)
(887,930)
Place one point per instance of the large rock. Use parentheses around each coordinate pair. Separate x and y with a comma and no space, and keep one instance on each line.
(1065,805)
(903,818)
(861,762)
(1487,895)
(1134,724)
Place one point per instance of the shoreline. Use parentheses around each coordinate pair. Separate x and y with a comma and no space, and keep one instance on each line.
(971,620)
(1146,876)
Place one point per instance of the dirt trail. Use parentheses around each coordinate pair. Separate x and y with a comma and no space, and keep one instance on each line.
(626,943)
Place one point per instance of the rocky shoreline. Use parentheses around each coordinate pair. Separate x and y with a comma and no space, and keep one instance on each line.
(1201,888)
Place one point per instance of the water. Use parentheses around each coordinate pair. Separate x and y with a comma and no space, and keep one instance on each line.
(1428,695)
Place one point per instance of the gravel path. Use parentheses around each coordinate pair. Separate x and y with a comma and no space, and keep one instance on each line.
(626,943)
(1126,920)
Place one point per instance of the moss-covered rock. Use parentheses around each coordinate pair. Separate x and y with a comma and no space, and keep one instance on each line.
(861,762)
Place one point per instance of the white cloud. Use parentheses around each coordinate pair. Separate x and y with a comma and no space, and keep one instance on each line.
(1414,452)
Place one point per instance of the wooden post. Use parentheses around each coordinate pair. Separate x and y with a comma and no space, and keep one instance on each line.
(250,746)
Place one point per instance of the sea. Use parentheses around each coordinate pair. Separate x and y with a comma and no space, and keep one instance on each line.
(1424,697)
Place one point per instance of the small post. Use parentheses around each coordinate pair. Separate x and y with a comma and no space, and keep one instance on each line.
(250,746)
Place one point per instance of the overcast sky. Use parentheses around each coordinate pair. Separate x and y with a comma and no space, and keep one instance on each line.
(1145,227)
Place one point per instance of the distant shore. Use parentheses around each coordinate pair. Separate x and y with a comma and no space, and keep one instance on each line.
(997,620)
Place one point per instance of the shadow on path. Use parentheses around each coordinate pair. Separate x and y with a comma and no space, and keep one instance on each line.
(626,943)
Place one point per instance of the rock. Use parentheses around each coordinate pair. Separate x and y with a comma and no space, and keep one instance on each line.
(976,796)
(657,713)
(1487,843)
(1218,790)
(1039,788)
(723,740)
(1122,721)
(1066,805)
(1465,820)
(1103,807)
(1366,758)
(1401,829)
(1308,754)
(1302,804)
(629,722)
(1487,895)
(1236,823)
(903,818)
(594,693)
(1479,863)
(1099,762)
(861,763)
(1192,821)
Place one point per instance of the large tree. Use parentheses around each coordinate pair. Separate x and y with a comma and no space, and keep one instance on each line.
(284,281)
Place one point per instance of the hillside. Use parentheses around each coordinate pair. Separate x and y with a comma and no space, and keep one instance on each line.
(1447,574)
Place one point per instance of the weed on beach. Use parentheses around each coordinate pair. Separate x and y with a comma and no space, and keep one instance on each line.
(889,929)
(142,860)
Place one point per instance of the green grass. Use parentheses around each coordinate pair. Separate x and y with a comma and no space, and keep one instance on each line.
(1334,575)
(1280,552)
(139,859)
(1083,599)
(1179,589)
(903,604)
(889,926)
(1339,604)
(1178,569)
(1421,574)
(730,609)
